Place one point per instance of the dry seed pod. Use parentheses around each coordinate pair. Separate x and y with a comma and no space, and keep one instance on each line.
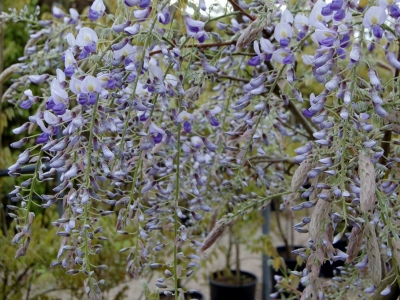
(367,177)
(250,33)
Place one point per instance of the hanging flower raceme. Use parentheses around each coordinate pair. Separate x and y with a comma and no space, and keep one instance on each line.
(373,18)
(185,117)
(195,29)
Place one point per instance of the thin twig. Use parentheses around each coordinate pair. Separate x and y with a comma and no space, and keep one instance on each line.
(200,46)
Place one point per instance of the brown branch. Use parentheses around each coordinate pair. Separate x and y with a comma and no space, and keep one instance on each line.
(232,78)
(237,6)
(200,46)
(272,160)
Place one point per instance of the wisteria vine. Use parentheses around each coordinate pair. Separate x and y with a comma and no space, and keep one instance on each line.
(172,119)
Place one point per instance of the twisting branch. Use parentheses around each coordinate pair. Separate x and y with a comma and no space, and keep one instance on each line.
(237,6)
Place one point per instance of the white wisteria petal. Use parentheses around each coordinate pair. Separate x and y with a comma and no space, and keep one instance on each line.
(28,93)
(98,5)
(91,84)
(75,85)
(60,75)
(171,79)
(216,110)
(104,77)
(375,15)
(307,59)
(69,59)
(40,123)
(256,47)
(50,118)
(267,46)
(36,79)
(300,21)
(287,16)
(57,93)
(70,39)
(283,31)
(184,116)
(316,18)
(67,116)
(86,36)
(154,129)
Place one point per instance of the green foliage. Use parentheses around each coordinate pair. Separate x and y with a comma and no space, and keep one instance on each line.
(31,275)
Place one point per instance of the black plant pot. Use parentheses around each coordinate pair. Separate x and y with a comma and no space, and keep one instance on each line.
(291,264)
(220,290)
(188,296)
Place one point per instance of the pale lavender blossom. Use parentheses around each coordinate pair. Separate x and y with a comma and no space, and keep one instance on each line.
(132,30)
(373,18)
(195,28)
(37,79)
(86,36)
(185,117)
(58,12)
(283,56)
(97,10)
(392,59)
(283,33)
(143,14)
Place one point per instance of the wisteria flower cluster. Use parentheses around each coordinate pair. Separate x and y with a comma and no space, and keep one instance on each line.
(173,120)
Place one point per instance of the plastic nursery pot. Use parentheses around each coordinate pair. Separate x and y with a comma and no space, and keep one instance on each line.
(291,264)
(188,296)
(223,289)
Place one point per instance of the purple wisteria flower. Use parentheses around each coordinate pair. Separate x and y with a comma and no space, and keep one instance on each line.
(42,138)
(195,29)
(283,33)
(86,38)
(91,86)
(185,117)
(143,14)
(27,104)
(58,12)
(164,16)
(97,10)
(373,18)
(283,56)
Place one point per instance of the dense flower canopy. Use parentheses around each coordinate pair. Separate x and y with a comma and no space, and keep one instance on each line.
(172,120)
